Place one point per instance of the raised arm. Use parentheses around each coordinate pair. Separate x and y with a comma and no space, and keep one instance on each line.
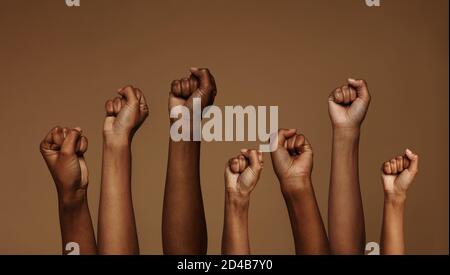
(397,176)
(63,150)
(293,164)
(116,224)
(241,176)
(347,107)
(183,222)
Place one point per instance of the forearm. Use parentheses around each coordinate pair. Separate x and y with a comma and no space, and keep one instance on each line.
(235,240)
(392,238)
(184,226)
(76,226)
(117,227)
(346,216)
(306,222)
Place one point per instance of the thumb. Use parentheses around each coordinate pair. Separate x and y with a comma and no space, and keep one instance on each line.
(414,161)
(129,94)
(204,77)
(284,134)
(361,88)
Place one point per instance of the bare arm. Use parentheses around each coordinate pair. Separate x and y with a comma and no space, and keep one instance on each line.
(235,239)
(63,150)
(184,225)
(293,163)
(346,215)
(397,176)
(117,232)
(241,176)
(347,107)
(306,222)
(76,226)
(183,221)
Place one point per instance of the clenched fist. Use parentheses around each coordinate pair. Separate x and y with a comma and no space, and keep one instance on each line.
(200,84)
(347,105)
(63,150)
(399,173)
(125,113)
(242,173)
(293,159)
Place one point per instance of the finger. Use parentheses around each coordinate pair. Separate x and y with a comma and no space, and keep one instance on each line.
(176,88)
(414,161)
(387,168)
(361,88)
(302,145)
(49,143)
(83,146)
(291,143)
(346,94)
(254,159)
(206,82)
(242,163)
(129,93)
(260,157)
(143,106)
(284,134)
(193,83)
(65,131)
(69,145)
(399,164)
(338,96)
(185,88)
(117,105)
(405,162)
(109,108)
(393,166)
(234,165)
(353,94)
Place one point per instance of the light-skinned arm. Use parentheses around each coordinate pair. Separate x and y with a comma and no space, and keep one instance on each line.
(397,176)
(241,176)
(117,232)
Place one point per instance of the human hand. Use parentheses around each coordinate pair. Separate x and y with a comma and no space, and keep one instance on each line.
(348,105)
(125,113)
(293,160)
(242,174)
(63,150)
(398,174)
(199,84)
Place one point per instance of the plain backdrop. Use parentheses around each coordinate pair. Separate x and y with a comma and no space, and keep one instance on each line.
(59,65)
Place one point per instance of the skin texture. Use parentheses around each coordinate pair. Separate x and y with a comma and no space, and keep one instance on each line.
(347,106)
(241,176)
(183,222)
(63,150)
(116,224)
(397,175)
(293,164)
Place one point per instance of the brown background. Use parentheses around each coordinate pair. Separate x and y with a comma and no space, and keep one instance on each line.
(60,64)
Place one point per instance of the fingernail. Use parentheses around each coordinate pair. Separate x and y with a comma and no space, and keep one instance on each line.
(194,69)
(408,151)
(352,80)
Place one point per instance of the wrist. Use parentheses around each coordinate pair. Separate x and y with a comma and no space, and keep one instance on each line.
(397,200)
(237,202)
(116,140)
(72,201)
(346,132)
(291,187)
